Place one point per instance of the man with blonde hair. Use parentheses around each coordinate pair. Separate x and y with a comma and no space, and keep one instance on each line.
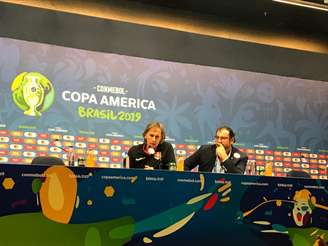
(154,153)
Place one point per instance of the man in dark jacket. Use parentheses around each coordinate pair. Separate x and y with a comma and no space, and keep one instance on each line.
(154,153)
(220,157)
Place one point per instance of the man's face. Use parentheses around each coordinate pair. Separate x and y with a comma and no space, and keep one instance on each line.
(222,137)
(153,137)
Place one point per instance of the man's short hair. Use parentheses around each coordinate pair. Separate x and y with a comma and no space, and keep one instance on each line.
(231,132)
(155,124)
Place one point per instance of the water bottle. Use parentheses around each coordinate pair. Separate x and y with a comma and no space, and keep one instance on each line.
(91,159)
(180,164)
(250,168)
(126,160)
(268,169)
(172,166)
(81,161)
(71,156)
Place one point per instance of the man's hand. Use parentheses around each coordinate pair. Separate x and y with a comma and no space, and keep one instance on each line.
(148,167)
(220,152)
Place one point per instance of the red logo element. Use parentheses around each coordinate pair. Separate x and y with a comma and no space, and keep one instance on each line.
(125,148)
(104,153)
(92,146)
(277,153)
(116,159)
(260,163)
(116,141)
(3,152)
(158,155)
(16,160)
(17,140)
(268,152)
(190,152)
(29,147)
(211,202)
(81,138)
(41,154)
(191,147)
(4,132)
(43,135)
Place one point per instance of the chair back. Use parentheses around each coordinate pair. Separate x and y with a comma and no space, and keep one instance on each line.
(47,161)
(298,174)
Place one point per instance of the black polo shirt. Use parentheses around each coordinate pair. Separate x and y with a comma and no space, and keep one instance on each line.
(164,154)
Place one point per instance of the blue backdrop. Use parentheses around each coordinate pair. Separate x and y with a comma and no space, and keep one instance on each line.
(191,100)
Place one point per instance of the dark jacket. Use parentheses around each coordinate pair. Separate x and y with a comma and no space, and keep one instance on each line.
(205,158)
(138,158)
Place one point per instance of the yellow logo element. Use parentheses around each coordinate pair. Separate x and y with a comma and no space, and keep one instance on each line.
(8,183)
(109,191)
(33,93)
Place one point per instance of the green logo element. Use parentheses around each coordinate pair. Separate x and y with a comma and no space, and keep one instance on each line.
(33,93)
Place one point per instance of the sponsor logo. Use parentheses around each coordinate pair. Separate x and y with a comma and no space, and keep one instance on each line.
(80,145)
(55,149)
(4,139)
(16,133)
(127,142)
(115,147)
(29,154)
(287,154)
(43,135)
(30,134)
(81,138)
(104,159)
(103,147)
(104,153)
(104,140)
(278,164)
(3,159)
(116,159)
(116,141)
(259,151)
(68,138)
(181,152)
(92,146)
(92,140)
(43,142)
(16,146)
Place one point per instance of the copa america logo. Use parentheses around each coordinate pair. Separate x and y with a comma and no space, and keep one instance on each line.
(33,93)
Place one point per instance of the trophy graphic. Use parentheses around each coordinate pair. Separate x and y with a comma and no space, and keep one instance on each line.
(33,93)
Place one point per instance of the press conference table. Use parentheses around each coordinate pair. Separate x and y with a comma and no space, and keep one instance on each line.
(59,205)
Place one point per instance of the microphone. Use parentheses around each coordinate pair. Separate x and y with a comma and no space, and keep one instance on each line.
(148,149)
(69,152)
(151,151)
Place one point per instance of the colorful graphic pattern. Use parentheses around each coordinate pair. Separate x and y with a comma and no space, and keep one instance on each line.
(95,206)
(19,147)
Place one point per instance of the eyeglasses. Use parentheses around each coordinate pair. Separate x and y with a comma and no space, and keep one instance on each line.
(221,138)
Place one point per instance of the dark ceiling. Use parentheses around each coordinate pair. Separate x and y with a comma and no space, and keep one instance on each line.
(254,13)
